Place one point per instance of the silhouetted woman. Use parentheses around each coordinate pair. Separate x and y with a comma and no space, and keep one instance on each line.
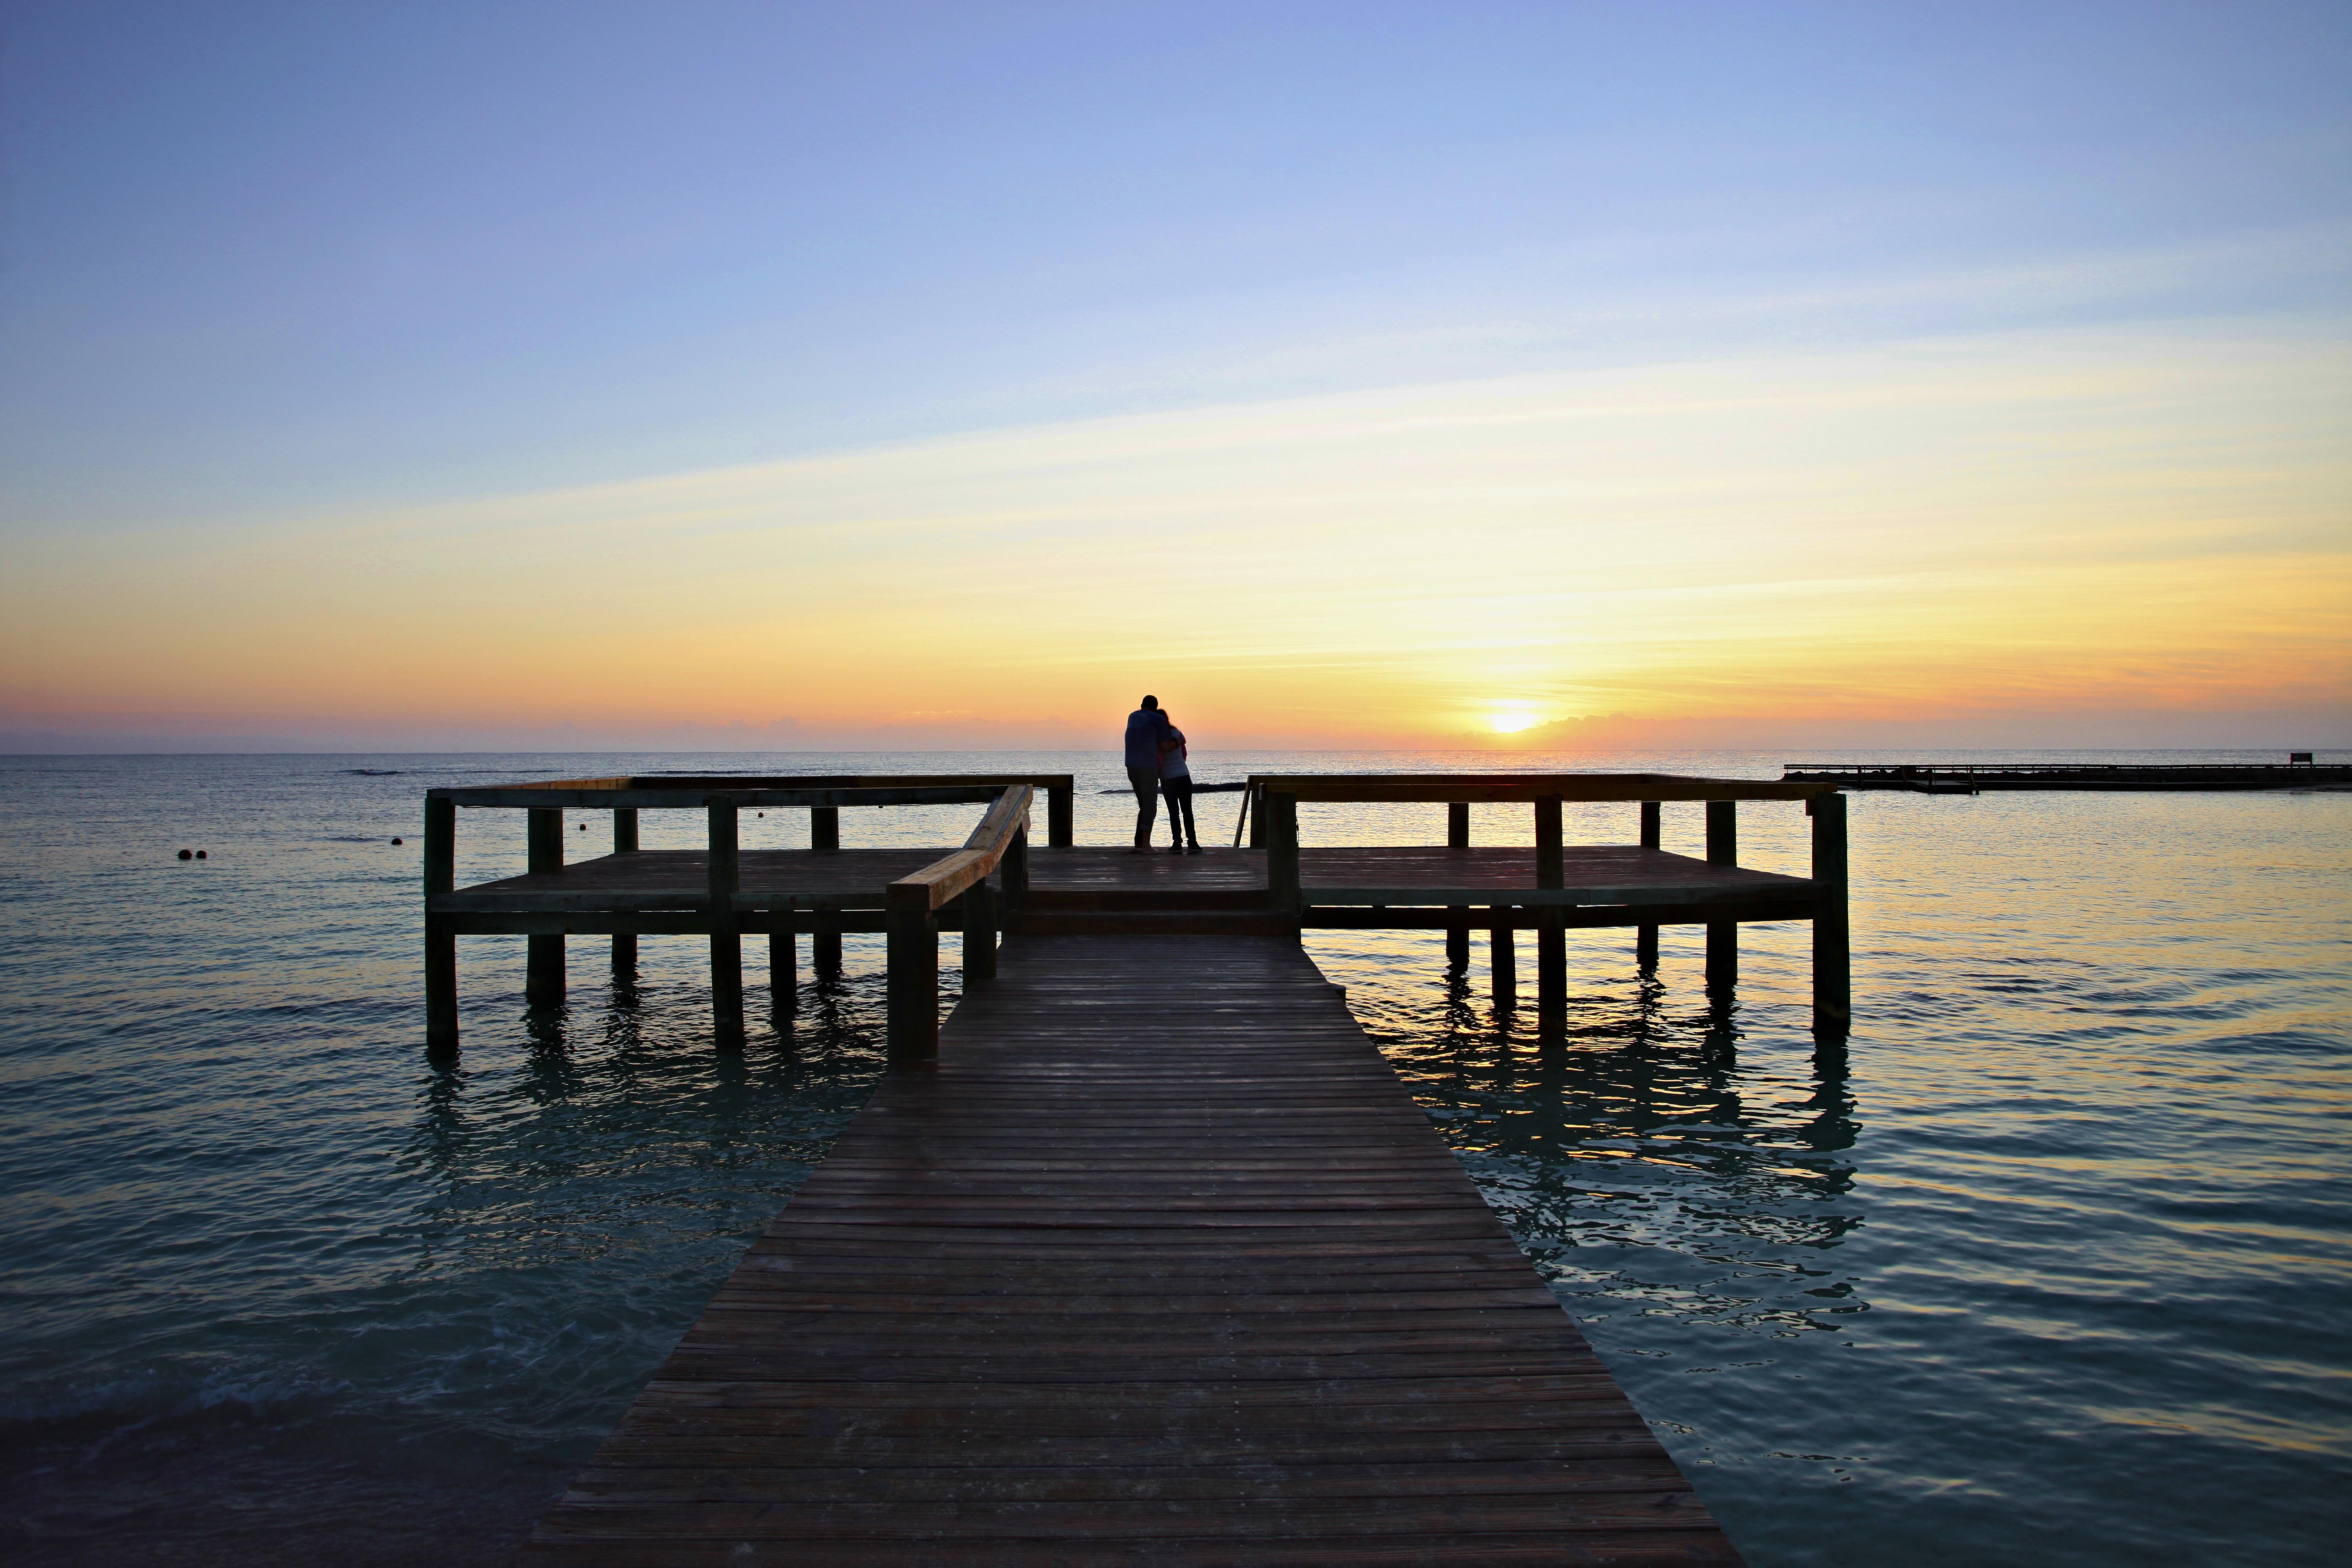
(1176,784)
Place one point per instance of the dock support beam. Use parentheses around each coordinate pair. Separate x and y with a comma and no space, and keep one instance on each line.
(1551,923)
(543,968)
(726,937)
(1061,816)
(1281,816)
(824,946)
(912,1036)
(979,934)
(1457,932)
(1832,950)
(1645,936)
(1014,872)
(1722,936)
(440,942)
(624,842)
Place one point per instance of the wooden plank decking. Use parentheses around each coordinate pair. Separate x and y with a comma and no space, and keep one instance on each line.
(1157,1265)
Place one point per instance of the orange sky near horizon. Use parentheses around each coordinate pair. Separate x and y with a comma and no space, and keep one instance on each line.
(2019,540)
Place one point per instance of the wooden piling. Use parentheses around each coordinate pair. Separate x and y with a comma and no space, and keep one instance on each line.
(1722,936)
(1645,935)
(1551,922)
(1014,873)
(1281,813)
(912,995)
(440,940)
(1457,932)
(1061,816)
(544,962)
(624,842)
(726,936)
(1832,953)
(979,920)
(824,946)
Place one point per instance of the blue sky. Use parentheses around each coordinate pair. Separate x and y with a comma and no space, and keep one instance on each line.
(279,255)
(294,262)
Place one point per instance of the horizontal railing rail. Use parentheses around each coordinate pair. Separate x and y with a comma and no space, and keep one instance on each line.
(1275,798)
(1481,788)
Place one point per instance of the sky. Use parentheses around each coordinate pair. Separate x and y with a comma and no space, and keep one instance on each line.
(771,377)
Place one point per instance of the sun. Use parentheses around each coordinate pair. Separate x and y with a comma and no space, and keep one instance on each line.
(1512,724)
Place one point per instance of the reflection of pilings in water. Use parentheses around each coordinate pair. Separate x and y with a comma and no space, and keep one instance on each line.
(1645,937)
(440,1129)
(1503,964)
(784,980)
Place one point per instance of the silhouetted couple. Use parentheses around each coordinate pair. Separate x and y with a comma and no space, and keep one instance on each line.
(1155,766)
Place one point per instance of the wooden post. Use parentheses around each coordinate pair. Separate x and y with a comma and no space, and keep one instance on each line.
(1551,922)
(726,936)
(824,946)
(913,986)
(1502,959)
(624,842)
(1014,872)
(1257,816)
(1281,813)
(1645,935)
(1722,936)
(440,942)
(1061,816)
(1457,930)
(979,934)
(1833,951)
(543,966)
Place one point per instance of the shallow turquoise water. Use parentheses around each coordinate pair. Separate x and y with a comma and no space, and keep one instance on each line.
(2048,1264)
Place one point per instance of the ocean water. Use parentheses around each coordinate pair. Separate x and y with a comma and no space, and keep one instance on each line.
(2047,1263)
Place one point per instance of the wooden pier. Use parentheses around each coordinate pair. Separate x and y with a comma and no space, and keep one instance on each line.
(995,884)
(1156,1264)
(1147,1257)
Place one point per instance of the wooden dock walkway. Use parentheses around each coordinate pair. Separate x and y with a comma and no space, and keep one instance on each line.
(1156,1264)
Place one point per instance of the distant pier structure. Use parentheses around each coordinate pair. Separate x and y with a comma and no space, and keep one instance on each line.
(2298,771)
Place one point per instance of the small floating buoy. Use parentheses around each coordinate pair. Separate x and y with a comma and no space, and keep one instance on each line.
(395,841)
(584,827)
(187,854)
(200,854)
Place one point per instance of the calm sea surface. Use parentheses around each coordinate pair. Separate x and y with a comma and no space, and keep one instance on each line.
(2052,1264)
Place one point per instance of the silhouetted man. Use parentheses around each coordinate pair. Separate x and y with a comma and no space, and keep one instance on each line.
(1146,727)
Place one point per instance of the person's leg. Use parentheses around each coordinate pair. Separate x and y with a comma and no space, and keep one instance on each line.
(1179,811)
(1192,829)
(1174,790)
(1146,783)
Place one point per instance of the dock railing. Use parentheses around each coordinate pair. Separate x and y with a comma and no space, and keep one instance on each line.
(721,908)
(998,846)
(1276,797)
